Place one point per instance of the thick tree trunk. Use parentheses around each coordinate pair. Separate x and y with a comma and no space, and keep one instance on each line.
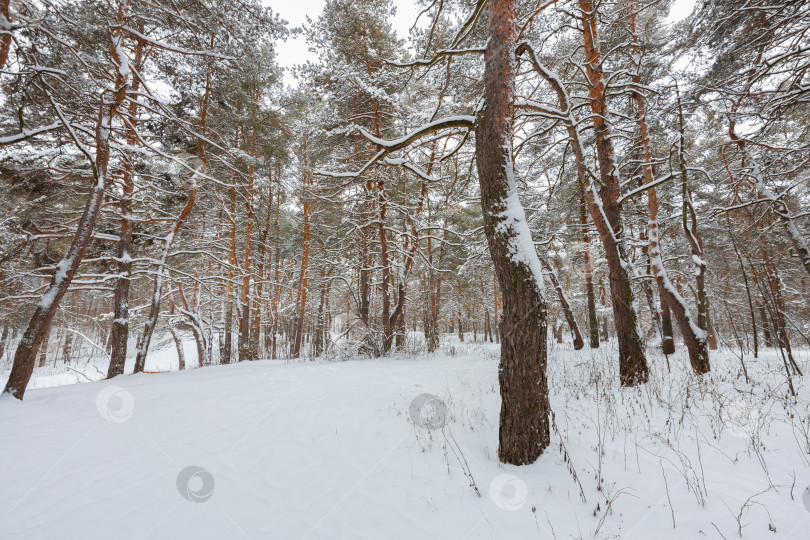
(524,420)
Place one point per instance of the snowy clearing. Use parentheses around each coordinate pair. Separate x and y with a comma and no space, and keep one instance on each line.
(316,450)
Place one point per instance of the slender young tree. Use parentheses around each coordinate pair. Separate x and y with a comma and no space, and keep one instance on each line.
(632,359)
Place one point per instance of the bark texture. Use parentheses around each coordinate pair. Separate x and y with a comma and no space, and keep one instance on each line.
(524,419)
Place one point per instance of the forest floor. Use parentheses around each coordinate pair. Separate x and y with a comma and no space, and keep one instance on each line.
(327,450)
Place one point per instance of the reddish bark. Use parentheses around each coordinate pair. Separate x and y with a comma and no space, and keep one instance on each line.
(5,24)
(524,420)
(26,353)
(632,360)
(694,334)
(119,335)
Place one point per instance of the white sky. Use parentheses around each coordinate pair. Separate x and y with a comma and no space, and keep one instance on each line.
(294,51)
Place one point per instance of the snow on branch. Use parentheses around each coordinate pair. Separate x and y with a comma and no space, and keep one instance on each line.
(173,48)
(645,187)
(27,134)
(387,146)
(443,53)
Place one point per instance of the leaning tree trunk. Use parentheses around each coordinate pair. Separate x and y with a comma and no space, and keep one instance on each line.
(566,307)
(202,337)
(154,308)
(524,421)
(604,205)
(694,335)
(26,353)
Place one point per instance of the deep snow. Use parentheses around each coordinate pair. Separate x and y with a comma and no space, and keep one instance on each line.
(319,450)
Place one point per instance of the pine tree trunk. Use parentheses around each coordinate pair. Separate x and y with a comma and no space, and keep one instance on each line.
(154,308)
(387,327)
(632,360)
(593,324)
(4,340)
(302,280)
(667,339)
(319,324)
(5,39)
(26,353)
(43,353)
(263,273)
(245,337)
(120,325)
(778,317)
(524,420)
(694,335)
(566,307)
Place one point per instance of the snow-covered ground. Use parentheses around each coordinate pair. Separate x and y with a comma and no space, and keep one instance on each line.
(319,450)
